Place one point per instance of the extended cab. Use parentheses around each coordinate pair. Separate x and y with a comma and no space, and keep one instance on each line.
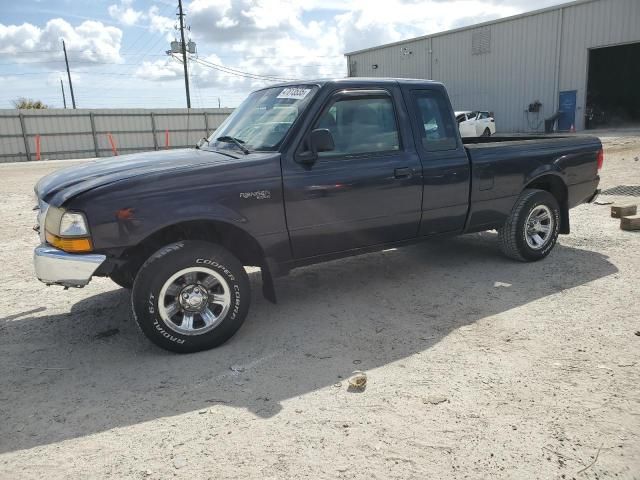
(299,174)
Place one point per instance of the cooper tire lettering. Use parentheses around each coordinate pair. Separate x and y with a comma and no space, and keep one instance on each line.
(164,264)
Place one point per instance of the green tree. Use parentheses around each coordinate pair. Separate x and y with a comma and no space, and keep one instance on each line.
(28,103)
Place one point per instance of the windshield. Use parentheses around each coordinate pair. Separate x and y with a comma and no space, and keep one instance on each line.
(263,119)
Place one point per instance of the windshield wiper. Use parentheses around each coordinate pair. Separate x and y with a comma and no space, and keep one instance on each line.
(236,141)
(201,142)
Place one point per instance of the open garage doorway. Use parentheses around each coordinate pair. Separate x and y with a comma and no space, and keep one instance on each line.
(613,92)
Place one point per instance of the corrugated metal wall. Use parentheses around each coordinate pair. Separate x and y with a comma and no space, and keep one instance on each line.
(532,57)
(84,133)
(600,23)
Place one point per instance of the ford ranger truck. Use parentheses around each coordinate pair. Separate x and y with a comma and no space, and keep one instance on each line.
(300,173)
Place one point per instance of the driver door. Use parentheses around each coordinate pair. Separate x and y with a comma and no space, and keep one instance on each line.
(367,191)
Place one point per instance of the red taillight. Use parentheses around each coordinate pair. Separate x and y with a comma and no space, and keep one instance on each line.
(600,158)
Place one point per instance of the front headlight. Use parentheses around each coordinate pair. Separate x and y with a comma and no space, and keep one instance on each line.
(67,231)
(73,225)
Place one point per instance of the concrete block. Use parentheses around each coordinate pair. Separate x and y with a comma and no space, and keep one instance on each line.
(631,222)
(620,210)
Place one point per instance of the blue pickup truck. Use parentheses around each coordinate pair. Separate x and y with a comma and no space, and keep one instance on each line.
(300,173)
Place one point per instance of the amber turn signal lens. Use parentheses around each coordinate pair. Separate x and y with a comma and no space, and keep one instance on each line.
(70,245)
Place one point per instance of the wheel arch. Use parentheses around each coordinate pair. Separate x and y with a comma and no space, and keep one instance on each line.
(235,239)
(553,183)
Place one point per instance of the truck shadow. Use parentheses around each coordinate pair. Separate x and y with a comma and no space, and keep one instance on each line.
(70,380)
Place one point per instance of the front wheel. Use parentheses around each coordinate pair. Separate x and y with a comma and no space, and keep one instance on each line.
(531,230)
(486,133)
(190,296)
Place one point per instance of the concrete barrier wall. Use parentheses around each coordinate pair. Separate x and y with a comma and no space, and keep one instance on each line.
(81,133)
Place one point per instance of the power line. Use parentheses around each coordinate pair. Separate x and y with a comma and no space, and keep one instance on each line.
(85,62)
(144,51)
(15,52)
(240,73)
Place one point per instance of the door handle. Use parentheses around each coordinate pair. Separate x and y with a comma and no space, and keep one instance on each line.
(404,172)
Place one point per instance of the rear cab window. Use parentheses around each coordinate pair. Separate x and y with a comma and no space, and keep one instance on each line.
(436,129)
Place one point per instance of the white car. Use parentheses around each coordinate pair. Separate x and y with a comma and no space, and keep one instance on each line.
(476,123)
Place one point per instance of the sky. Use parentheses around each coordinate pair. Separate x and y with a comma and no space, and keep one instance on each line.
(117,48)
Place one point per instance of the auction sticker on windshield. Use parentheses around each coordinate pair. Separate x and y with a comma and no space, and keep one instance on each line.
(297,93)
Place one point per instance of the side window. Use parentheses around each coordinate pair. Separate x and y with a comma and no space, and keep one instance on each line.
(360,125)
(438,131)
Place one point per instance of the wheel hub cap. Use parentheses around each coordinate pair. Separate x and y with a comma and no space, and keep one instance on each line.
(539,227)
(193,298)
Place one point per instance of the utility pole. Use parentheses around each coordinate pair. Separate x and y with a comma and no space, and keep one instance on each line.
(184,54)
(66,60)
(64,98)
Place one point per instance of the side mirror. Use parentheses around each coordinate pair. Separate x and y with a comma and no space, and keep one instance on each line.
(321,140)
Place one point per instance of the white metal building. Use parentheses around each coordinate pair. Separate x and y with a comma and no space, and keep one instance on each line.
(580,58)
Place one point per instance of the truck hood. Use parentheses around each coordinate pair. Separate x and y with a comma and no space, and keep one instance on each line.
(60,186)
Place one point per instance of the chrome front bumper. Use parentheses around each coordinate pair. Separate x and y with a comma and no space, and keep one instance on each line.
(55,267)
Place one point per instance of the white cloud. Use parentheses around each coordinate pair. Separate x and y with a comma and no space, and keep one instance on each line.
(90,41)
(240,29)
(125,13)
(158,23)
(160,70)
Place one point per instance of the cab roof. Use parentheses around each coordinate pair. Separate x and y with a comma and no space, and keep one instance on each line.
(359,81)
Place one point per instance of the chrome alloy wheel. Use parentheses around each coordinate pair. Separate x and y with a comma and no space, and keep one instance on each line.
(194,301)
(539,227)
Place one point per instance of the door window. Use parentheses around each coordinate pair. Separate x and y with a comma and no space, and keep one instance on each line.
(360,125)
(437,130)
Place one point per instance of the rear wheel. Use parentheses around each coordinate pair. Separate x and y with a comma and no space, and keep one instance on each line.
(190,296)
(532,229)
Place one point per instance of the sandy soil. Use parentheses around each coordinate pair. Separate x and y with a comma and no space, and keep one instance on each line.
(537,365)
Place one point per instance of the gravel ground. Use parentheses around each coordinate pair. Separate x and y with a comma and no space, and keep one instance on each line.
(478,367)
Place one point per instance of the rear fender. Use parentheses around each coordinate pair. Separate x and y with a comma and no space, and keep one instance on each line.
(551,180)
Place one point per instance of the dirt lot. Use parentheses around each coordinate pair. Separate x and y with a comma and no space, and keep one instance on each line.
(537,365)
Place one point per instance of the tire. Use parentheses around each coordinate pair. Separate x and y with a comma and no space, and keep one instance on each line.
(518,234)
(122,278)
(190,296)
(486,133)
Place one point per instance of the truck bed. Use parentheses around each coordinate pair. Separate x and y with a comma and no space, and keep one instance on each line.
(501,166)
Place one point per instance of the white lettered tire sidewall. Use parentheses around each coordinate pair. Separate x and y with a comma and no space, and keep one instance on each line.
(165,263)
